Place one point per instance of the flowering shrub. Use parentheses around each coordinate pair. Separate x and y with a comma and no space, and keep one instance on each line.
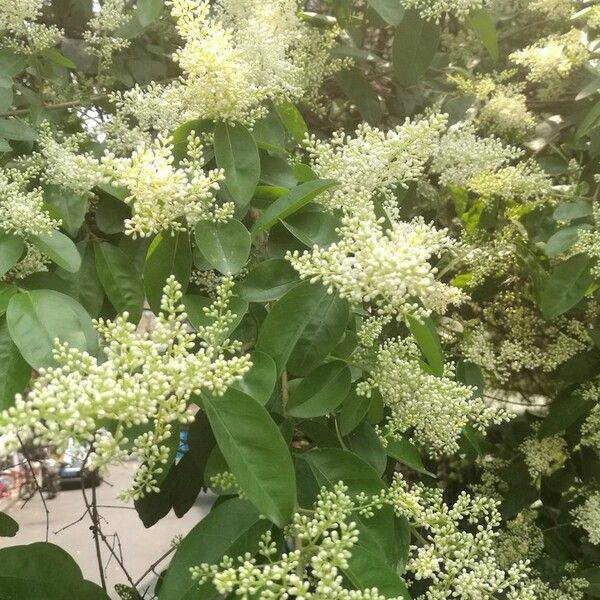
(351,247)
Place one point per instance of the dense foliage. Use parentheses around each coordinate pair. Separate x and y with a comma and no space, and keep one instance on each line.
(369,234)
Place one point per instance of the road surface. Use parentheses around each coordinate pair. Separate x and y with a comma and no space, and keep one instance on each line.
(140,547)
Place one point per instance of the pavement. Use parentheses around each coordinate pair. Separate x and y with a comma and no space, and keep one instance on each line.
(138,546)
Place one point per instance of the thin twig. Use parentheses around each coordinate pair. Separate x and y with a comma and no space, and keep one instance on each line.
(93,512)
(71,524)
(37,486)
(154,565)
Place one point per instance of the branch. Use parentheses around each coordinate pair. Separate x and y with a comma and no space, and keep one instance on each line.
(155,564)
(37,485)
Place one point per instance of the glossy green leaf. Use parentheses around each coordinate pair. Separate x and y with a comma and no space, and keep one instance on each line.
(268,280)
(366,444)
(45,572)
(483,25)
(415,44)
(111,214)
(352,412)
(121,281)
(391,11)
(148,11)
(427,338)
(590,121)
(303,327)
(11,249)
(36,318)
(564,410)
(14,370)
(288,204)
(563,239)
(69,206)
(60,249)
(225,246)
(367,569)
(231,528)
(569,211)
(259,382)
(12,129)
(566,285)
(236,153)
(169,254)
(313,228)
(360,92)
(8,526)
(402,450)
(7,291)
(292,119)
(320,392)
(255,451)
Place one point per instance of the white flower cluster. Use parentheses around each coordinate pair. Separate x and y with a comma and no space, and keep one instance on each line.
(459,547)
(463,154)
(21,209)
(323,543)
(511,337)
(587,516)
(590,429)
(435,10)
(145,383)
(374,161)
(544,456)
(550,61)
(521,539)
(457,554)
(161,193)
(506,114)
(100,35)
(388,267)
(235,57)
(20,29)
(62,163)
(432,410)
(553,9)
(588,241)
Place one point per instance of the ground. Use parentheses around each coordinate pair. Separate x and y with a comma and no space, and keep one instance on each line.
(140,547)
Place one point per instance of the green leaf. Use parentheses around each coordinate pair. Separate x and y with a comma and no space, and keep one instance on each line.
(569,211)
(391,11)
(402,450)
(60,249)
(6,293)
(313,228)
(231,528)
(68,205)
(415,44)
(563,239)
(427,338)
(60,59)
(268,280)
(256,453)
(321,391)
(360,92)
(8,526)
(169,254)
(14,370)
(11,249)
(353,411)
(366,444)
(483,25)
(147,11)
(120,279)
(45,572)
(564,410)
(590,121)
(288,204)
(592,575)
(12,129)
(259,382)
(225,246)
(367,569)
(36,318)
(303,327)
(566,285)
(292,119)
(111,214)
(237,154)
(84,286)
